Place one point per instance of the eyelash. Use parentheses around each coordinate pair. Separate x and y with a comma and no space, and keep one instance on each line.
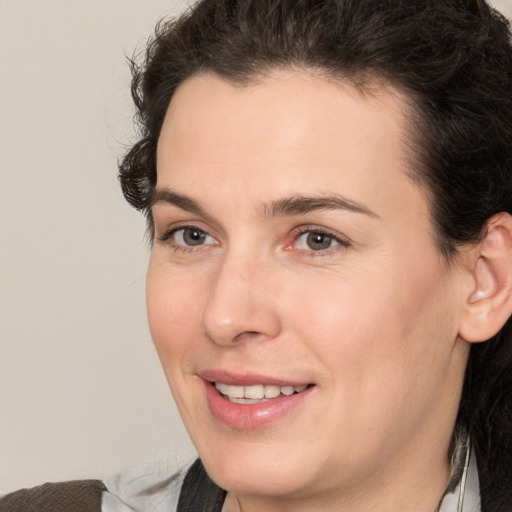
(168,238)
(341,242)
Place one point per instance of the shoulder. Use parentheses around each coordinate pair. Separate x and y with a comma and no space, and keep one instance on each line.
(151,488)
(75,496)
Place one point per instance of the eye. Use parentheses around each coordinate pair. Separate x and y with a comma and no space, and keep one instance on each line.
(315,240)
(186,239)
(191,236)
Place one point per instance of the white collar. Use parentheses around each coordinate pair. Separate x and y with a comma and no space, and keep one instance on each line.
(462,494)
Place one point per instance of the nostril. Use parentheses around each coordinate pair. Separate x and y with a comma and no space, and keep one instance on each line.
(249,335)
(230,317)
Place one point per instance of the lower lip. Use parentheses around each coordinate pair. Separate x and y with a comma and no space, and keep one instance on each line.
(252,416)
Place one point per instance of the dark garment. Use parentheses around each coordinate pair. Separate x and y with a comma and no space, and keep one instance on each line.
(199,493)
(78,496)
(496,486)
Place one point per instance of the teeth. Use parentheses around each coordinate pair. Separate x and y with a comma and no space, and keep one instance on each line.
(287,390)
(256,393)
(232,391)
(244,401)
(272,391)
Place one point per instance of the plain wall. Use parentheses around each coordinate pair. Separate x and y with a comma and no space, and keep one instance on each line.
(81,390)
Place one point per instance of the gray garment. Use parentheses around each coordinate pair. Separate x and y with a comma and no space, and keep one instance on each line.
(465,497)
(152,488)
(462,493)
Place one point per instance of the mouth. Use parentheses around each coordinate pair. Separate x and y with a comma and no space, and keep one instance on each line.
(249,402)
(257,393)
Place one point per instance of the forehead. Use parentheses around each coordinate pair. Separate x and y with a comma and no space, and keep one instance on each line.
(286,105)
(286,132)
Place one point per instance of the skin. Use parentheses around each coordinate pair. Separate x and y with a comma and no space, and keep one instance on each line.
(372,320)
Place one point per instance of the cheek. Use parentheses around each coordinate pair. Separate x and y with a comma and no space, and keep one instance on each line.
(173,307)
(383,347)
(342,314)
(174,313)
(378,334)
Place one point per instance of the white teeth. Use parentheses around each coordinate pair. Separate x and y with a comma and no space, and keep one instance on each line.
(272,391)
(287,390)
(256,393)
(244,401)
(231,391)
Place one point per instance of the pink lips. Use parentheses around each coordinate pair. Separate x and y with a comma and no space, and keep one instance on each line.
(249,416)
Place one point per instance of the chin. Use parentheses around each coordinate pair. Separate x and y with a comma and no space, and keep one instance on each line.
(259,481)
(261,472)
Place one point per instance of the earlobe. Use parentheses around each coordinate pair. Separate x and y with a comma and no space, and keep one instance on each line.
(489,304)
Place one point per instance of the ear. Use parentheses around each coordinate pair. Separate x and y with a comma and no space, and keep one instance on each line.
(489,304)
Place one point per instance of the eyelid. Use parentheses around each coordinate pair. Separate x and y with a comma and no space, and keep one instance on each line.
(343,240)
(167,237)
(164,234)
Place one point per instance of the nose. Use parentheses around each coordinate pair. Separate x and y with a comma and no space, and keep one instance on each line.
(242,303)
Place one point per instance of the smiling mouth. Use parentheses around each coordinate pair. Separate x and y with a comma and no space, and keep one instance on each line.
(257,393)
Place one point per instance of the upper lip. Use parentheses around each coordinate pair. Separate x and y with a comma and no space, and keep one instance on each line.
(246,379)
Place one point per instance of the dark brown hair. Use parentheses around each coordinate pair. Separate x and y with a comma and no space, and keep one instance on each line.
(452,58)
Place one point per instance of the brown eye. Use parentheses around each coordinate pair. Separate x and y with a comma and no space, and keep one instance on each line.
(316,241)
(190,236)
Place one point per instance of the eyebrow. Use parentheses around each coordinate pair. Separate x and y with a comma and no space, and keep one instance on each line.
(164,195)
(286,206)
(298,205)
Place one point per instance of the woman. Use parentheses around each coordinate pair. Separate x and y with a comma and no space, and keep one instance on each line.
(328,194)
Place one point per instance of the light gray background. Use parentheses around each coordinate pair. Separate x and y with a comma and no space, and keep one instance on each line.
(81,390)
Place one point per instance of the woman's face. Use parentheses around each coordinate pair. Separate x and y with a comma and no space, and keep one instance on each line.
(292,250)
